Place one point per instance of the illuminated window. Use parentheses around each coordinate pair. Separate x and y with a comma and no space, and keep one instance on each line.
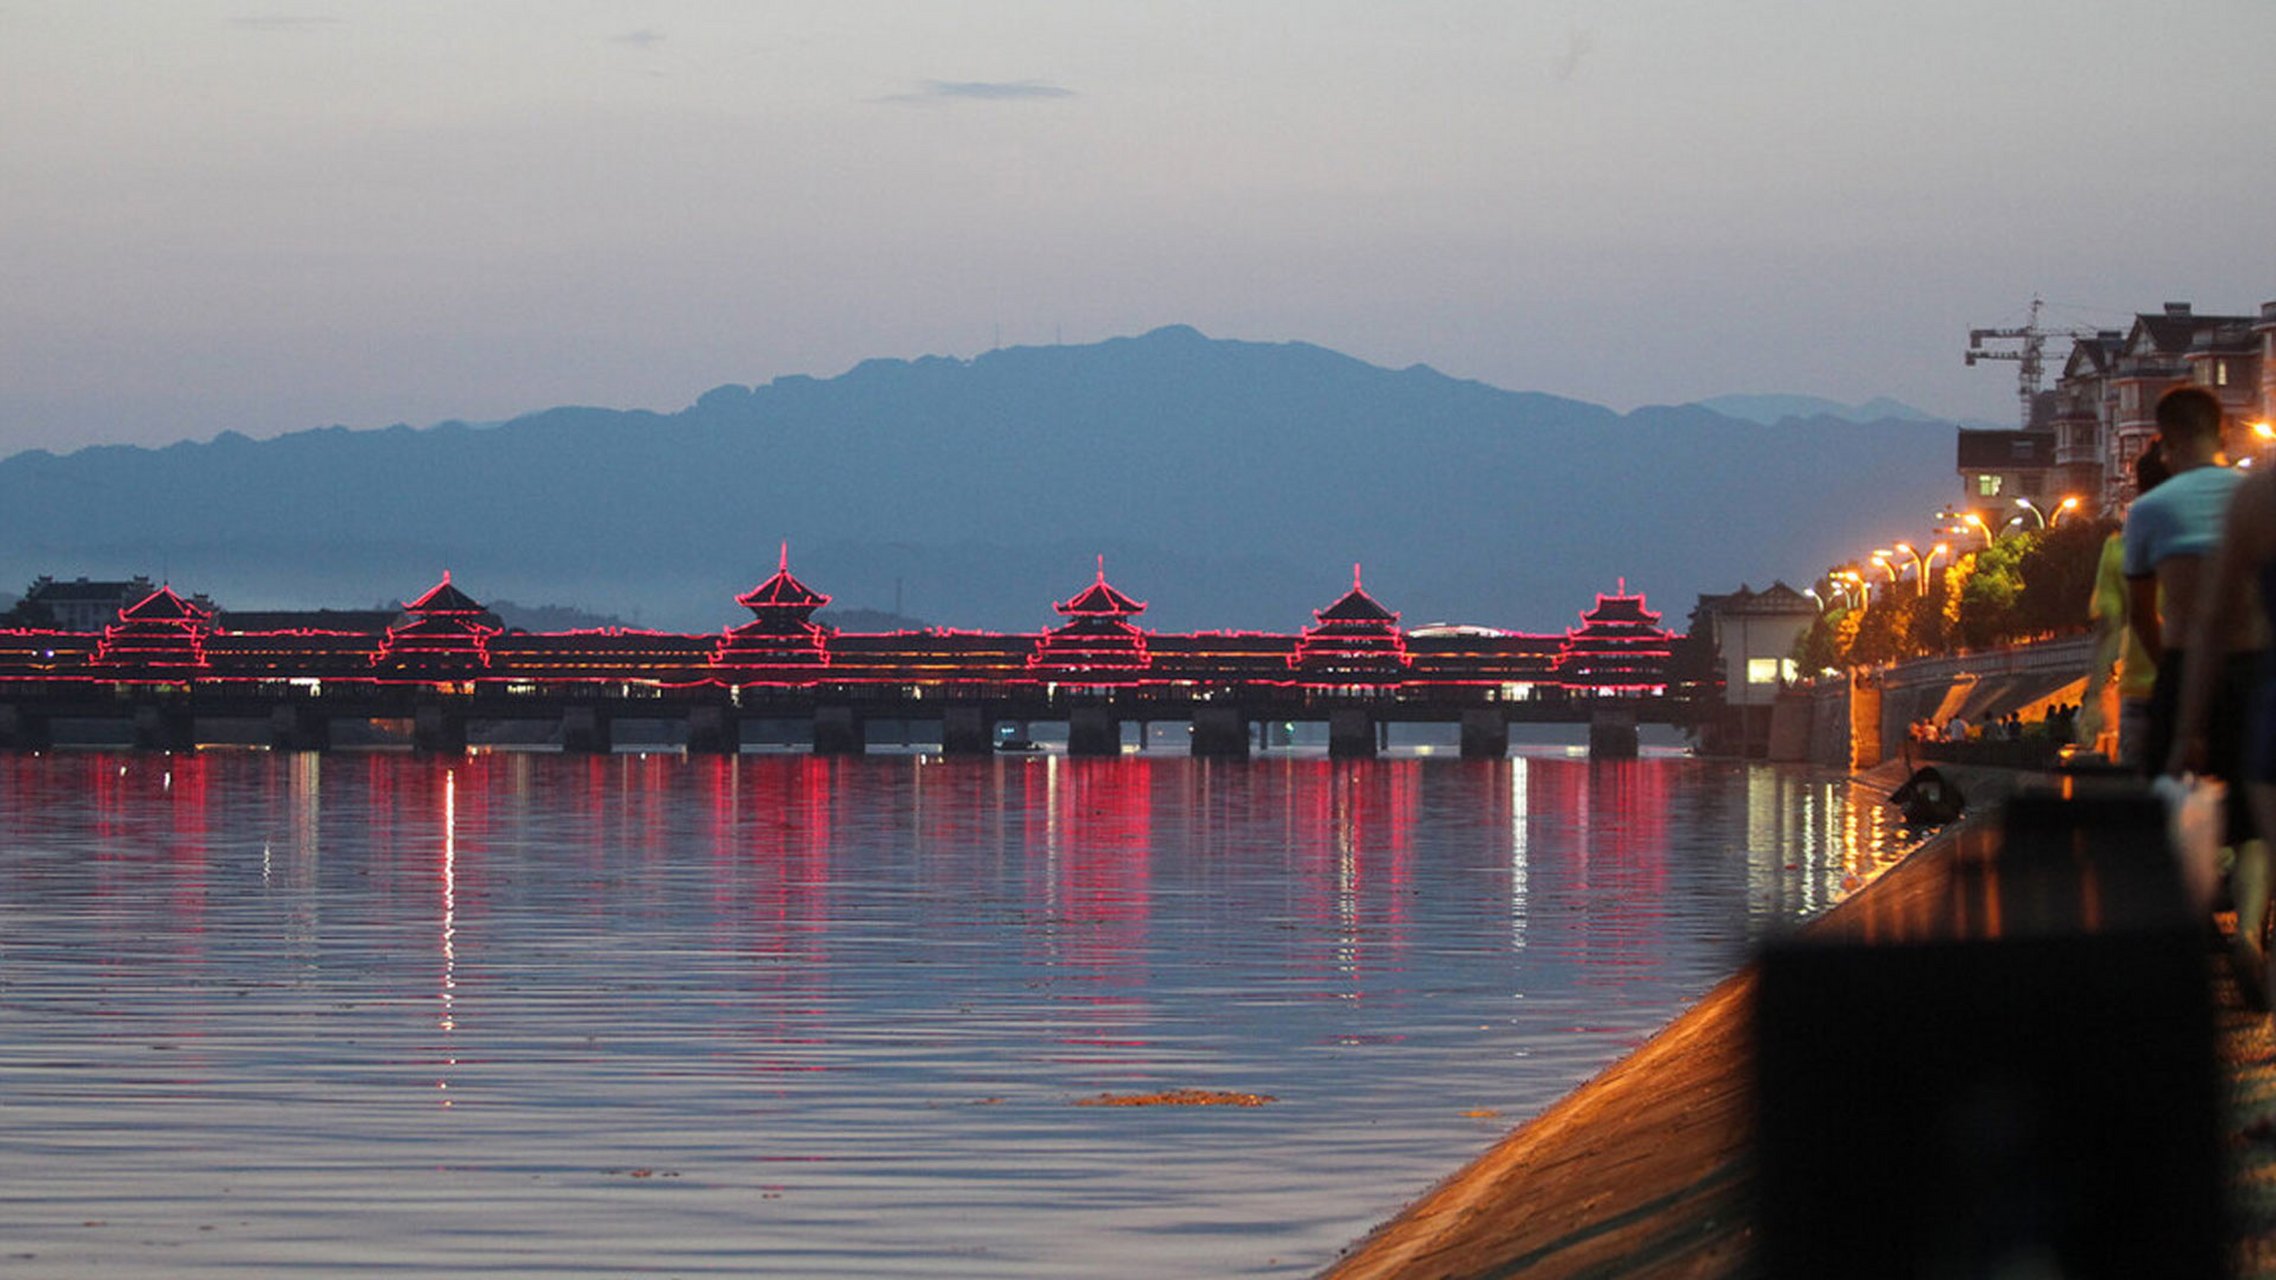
(1987,486)
(1762,670)
(2220,373)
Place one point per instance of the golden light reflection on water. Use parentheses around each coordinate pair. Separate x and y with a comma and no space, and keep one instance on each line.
(1520,850)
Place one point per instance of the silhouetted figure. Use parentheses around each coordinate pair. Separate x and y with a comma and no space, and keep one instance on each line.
(2178,592)
(1928,798)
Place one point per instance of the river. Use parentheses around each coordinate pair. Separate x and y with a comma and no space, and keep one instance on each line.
(520,1013)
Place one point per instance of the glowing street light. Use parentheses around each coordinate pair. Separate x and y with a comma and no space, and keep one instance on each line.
(1920,563)
(1841,583)
(2027,504)
(1971,518)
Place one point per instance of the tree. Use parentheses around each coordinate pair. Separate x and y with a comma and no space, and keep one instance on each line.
(1884,633)
(1987,603)
(2057,570)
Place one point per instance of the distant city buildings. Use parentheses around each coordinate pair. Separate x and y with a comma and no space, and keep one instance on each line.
(1754,635)
(2086,433)
(79,604)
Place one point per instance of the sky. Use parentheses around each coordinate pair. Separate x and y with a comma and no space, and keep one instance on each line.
(265,217)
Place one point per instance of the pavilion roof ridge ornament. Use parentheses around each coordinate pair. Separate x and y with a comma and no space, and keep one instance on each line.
(1101,600)
(1356,605)
(783,592)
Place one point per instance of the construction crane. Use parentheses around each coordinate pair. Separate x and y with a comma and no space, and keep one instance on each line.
(2030,353)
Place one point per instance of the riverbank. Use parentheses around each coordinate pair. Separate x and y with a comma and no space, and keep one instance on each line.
(1645,1170)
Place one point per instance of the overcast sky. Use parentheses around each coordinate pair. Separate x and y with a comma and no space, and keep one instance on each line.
(267,216)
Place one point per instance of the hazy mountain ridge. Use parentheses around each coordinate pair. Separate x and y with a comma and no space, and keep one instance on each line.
(1229,483)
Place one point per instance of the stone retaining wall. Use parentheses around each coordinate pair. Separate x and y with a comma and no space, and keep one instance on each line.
(1857,720)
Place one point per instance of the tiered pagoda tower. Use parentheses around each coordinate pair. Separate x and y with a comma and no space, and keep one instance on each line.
(1098,638)
(447,631)
(1619,646)
(1354,638)
(781,633)
(161,634)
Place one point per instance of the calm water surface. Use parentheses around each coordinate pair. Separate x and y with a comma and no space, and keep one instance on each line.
(527,1014)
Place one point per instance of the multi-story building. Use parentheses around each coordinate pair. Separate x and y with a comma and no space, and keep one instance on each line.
(2102,413)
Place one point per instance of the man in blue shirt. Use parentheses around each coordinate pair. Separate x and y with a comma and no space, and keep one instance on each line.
(2170,535)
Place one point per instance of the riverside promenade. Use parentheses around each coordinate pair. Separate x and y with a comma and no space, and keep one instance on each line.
(1648,1170)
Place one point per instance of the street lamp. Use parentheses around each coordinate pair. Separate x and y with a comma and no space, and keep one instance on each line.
(2042,515)
(1921,562)
(1972,518)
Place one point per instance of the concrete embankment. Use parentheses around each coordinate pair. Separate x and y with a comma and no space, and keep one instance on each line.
(1640,1172)
(1647,1170)
(1859,720)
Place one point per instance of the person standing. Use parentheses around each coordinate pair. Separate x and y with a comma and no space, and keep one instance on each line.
(2170,536)
(2115,718)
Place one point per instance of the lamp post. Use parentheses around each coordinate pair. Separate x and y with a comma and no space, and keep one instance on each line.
(1841,582)
(1881,557)
(2027,504)
(2068,505)
(1971,518)
(1921,562)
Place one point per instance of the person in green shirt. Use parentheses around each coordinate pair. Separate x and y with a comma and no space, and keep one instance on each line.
(2118,650)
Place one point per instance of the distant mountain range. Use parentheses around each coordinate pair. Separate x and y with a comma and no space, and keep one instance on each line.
(1771,409)
(1231,484)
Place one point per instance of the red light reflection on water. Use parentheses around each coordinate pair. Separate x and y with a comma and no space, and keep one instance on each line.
(1616,816)
(769,827)
(1090,894)
(1350,831)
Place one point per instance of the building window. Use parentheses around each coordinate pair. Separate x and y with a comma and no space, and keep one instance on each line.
(1987,486)
(2220,373)
(2129,398)
(1762,671)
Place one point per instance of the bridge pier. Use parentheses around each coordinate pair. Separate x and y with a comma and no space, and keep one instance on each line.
(162,727)
(438,729)
(1220,733)
(1093,731)
(1612,732)
(1351,734)
(296,726)
(714,731)
(23,729)
(585,730)
(1485,734)
(839,731)
(966,729)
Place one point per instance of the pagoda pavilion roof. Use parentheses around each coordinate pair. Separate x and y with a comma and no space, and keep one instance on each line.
(163,605)
(1356,606)
(443,599)
(1620,608)
(1100,599)
(782,591)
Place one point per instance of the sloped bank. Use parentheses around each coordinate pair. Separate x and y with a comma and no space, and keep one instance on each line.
(1643,1171)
